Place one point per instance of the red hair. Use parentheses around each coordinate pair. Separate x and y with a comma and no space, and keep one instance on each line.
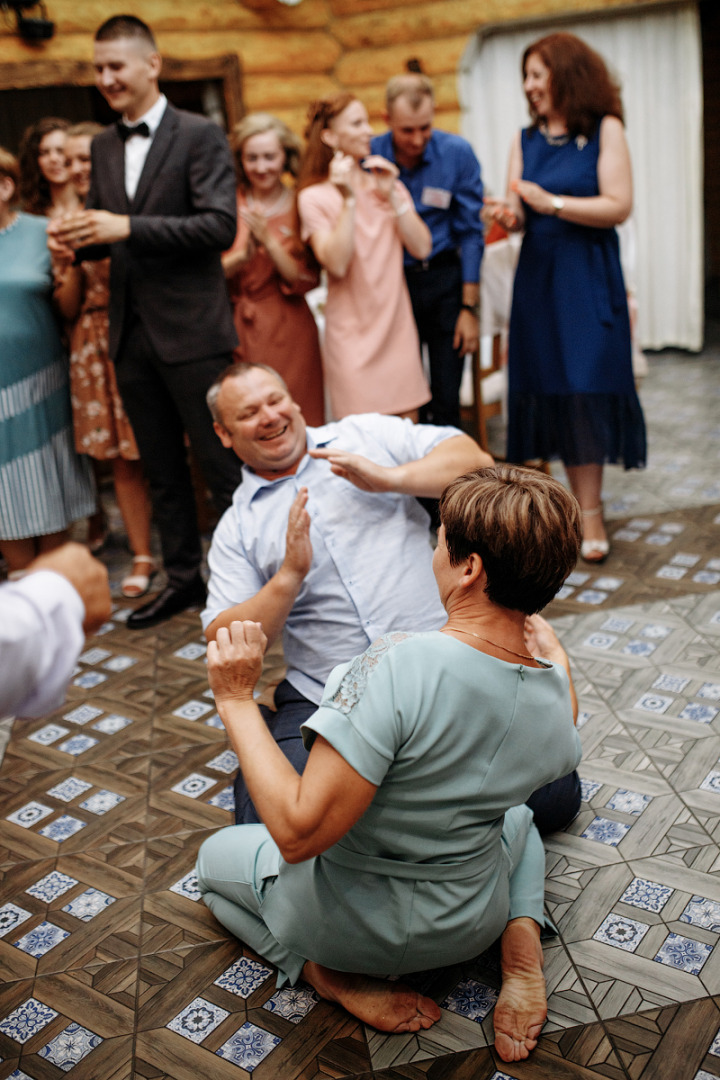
(315,164)
(580,83)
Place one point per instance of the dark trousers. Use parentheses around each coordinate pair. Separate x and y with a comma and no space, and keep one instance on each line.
(557,804)
(163,401)
(554,806)
(436,295)
(293,709)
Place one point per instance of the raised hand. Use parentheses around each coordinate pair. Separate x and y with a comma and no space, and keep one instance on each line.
(298,547)
(235,660)
(384,173)
(358,470)
(342,169)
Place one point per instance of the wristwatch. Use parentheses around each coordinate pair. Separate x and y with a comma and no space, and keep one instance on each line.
(472,308)
(558,204)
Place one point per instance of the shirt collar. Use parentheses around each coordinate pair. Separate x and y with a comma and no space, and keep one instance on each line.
(152,117)
(428,154)
(252,483)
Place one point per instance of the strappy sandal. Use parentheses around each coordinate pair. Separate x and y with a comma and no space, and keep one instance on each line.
(137,583)
(594,551)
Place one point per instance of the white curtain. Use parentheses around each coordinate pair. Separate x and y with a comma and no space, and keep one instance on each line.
(656,54)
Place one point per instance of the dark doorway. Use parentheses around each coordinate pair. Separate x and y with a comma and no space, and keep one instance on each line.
(210,87)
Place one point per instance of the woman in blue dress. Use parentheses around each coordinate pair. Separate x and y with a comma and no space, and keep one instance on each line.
(404,845)
(44,485)
(571,389)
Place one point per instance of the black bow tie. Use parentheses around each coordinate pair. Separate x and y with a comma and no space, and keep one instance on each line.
(126,130)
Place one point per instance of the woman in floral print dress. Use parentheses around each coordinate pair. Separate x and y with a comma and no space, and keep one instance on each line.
(102,428)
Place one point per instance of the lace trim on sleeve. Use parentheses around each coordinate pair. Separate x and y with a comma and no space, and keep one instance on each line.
(354,681)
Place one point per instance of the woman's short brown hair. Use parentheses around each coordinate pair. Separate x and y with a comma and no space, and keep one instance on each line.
(525,526)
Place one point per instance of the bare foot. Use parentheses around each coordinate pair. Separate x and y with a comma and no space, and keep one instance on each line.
(383,1005)
(521,1009)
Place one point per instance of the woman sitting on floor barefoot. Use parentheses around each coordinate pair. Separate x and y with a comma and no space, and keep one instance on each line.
(405,845)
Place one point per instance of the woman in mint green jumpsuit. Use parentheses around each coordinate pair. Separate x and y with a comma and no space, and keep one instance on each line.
(448,737)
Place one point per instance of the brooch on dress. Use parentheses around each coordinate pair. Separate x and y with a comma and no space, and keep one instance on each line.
(581,142)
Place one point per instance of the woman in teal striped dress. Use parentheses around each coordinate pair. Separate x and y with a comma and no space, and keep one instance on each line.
(44,485)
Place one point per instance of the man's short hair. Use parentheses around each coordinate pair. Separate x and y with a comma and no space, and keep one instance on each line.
(235,371)
(525,526)
(414,86)
(125,26)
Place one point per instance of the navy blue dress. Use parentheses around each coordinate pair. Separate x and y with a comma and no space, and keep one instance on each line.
(571,389)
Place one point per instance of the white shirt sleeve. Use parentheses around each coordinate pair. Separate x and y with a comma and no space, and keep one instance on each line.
(41,637)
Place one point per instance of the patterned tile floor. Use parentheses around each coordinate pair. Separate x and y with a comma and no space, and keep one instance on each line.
(110,967)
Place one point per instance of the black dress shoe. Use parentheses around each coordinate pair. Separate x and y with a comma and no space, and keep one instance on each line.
(167,603)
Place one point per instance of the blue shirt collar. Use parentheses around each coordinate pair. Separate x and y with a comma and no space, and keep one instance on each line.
(252,483)
(429,154)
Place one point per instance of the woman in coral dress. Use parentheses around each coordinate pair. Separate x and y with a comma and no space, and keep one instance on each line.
(102,428)
(357,217)
(268,269)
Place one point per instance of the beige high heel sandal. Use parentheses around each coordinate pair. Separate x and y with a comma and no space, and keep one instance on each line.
(594,551)
(137,583)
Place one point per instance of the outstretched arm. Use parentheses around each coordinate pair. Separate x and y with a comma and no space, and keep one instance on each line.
(425,477)
(305,814)
(271,606)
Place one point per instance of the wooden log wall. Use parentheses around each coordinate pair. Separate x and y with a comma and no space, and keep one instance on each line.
(292,54)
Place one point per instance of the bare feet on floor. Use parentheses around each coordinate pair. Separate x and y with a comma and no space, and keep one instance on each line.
(387,1006)
(521,1009)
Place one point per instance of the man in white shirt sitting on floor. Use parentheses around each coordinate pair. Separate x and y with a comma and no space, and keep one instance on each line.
(325,542)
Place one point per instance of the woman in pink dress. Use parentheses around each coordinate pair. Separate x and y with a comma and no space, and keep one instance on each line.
(268,269)
(357,217)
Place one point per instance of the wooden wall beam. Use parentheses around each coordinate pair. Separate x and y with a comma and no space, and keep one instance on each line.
(84,16)
(362,66)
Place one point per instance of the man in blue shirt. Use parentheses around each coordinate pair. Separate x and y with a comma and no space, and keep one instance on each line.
(443,176)
(325,541)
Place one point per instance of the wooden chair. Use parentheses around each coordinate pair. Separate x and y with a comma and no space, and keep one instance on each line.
(487,391)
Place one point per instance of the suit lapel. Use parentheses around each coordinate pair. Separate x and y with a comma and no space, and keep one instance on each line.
(115,171)
(160,146)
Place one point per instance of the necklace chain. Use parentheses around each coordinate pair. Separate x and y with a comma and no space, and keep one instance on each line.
(267,209)
(554,140)
(495,644)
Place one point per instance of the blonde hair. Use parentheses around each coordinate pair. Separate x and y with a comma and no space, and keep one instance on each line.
(86,127)
(260,123)
(414,86)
